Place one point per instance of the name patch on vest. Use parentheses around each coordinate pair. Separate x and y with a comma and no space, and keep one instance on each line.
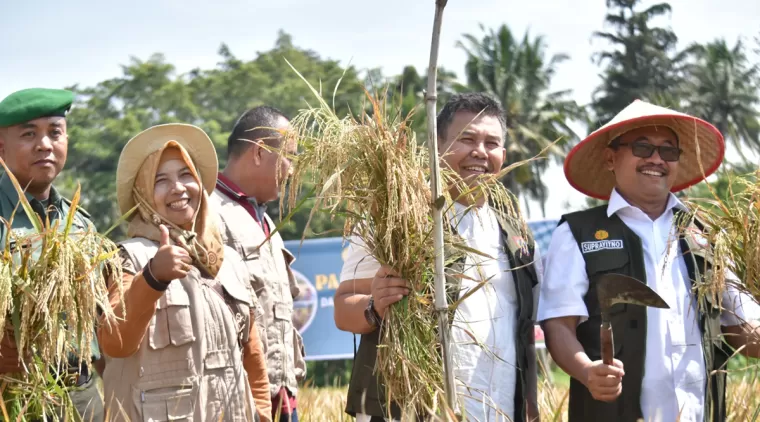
(588,247)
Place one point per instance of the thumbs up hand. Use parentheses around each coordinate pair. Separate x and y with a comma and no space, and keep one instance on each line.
(170,262)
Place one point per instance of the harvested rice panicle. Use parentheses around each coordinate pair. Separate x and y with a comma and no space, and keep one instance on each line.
(372,170)
(732,229)
(53,287)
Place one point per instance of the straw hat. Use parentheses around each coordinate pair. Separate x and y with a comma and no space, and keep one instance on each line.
(192,138)
(585,167)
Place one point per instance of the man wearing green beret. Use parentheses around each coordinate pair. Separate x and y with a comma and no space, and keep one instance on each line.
(33,144)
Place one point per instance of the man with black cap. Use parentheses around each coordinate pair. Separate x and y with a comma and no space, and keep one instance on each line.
(669,364)
(33,144)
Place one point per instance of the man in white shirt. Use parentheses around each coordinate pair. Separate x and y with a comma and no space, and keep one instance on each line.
(664,358)
(496,381)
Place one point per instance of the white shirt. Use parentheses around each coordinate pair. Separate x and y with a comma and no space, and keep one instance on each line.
(674,369)
(485,378)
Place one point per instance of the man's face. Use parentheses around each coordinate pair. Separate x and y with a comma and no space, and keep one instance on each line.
(474,145)
(643,178)
(273,163)
(35,151)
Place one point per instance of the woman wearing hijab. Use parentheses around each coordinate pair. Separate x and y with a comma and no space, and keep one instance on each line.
(185,347)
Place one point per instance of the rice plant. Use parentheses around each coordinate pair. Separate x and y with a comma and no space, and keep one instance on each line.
(732,231)
(742,401)
(371,170)
(53,288)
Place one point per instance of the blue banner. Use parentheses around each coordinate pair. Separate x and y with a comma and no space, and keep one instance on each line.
(317,268)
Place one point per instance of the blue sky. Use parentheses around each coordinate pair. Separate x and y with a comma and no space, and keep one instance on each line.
(55,44)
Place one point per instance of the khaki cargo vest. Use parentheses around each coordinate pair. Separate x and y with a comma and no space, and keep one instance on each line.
(275,287)
(189,364)
(366,393)
(629,323)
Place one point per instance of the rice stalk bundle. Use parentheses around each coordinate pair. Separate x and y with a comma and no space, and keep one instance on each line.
(732,229)
(53,287)
(372,170)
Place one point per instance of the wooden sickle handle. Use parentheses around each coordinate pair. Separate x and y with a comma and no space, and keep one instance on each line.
(605,335)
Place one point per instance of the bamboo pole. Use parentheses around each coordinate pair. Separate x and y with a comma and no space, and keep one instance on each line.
(441,305)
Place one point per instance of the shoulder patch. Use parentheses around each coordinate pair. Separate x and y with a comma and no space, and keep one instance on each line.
(19,232)
(521,244)
(697,236)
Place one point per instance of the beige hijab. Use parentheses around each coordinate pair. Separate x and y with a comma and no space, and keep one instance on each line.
(203,241)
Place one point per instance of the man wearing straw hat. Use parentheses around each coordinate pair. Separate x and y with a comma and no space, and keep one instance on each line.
(492,332)
(257,165)
(665,359)
(33,144)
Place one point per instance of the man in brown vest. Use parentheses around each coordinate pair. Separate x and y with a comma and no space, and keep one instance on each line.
(496,378)
(664,358)
(257,164)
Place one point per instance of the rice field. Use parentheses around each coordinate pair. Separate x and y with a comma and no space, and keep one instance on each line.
(327,404)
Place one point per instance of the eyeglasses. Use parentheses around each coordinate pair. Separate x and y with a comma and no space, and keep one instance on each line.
(643,150)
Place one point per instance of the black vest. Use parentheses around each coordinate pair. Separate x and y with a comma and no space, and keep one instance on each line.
(365,391)
(629,322)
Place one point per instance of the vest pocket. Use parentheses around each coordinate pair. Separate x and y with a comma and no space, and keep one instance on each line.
(254,265)
(228,394)
(172,323)
(216,359)
(283,312)
(249,251)
(176,403)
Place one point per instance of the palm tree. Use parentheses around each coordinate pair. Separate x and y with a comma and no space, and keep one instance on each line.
(642,62)
(724,89)
(518,73)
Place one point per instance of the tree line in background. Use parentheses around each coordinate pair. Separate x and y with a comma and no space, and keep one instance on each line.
(717,81)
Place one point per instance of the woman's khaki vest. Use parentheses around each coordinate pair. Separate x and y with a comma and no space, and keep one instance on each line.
(189,364)
(275,287)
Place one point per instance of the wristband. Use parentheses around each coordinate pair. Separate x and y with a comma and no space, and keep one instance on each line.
(151,279)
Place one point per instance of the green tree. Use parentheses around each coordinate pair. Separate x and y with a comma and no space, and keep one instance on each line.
(724,89)
(727,182)
(151,92)
(406,93)
(519,72)
(642,62)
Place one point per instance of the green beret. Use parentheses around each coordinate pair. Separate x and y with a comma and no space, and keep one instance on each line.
(29,104)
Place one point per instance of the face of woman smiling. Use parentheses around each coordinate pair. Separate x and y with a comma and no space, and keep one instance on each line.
(176,191)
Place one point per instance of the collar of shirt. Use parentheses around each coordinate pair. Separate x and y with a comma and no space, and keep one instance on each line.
(232,190)
(459,212)
(256,211)
(618,203)
(40,207)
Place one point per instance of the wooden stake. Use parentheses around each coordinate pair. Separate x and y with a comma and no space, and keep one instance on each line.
(441,305)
